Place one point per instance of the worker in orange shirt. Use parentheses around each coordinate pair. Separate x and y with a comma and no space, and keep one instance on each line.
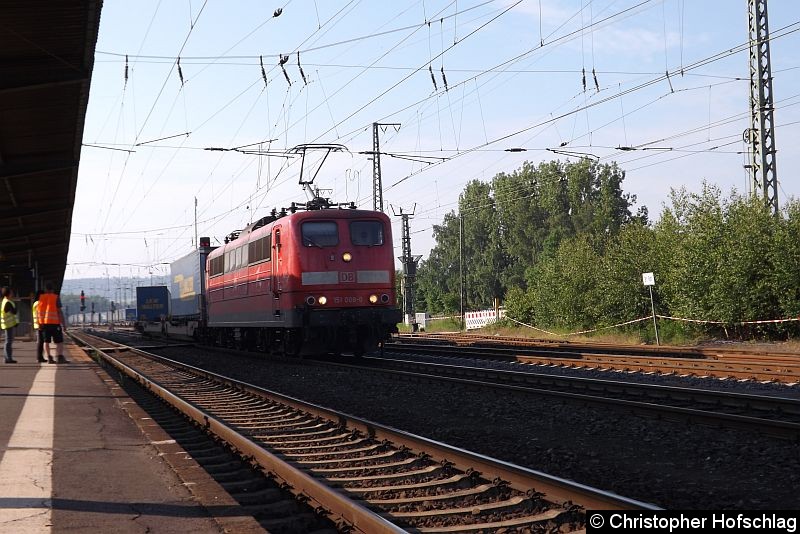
(51,321)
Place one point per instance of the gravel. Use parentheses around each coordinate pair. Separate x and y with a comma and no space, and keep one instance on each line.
(673,465)
(754,387)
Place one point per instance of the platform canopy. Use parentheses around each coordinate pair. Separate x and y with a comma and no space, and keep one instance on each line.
(46,59)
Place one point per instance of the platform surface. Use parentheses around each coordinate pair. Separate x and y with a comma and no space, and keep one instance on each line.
(71,459)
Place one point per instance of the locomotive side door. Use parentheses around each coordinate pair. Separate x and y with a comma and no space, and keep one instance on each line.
(277,265)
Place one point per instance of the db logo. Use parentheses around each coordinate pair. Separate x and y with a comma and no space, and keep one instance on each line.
(347,277)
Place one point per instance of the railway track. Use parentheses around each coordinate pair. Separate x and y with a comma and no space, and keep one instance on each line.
(366,477)
(695,362)
(713,352)
(771,415)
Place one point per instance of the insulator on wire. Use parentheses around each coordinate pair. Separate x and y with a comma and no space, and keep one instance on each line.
(180,72)
(278,12)
(444,80)
(596,85)
(126,70)
(263,72)
(584,79)
(302,74)
(433,78)
(282,61)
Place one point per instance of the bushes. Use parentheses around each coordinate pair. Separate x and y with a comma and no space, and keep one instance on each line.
(714,258)
(559,241)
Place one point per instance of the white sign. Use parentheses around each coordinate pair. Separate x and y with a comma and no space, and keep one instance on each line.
(648,279)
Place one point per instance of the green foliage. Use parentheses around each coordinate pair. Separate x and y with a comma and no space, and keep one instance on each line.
(784,257)
(559,243)
(716,258)
(519,306)
(563,289)
(513,223)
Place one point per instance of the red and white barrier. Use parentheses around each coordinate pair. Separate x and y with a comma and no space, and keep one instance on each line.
(479,319)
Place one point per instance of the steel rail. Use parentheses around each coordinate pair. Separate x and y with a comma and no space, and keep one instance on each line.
(785,370)
(707,352)
(301,483)
(612,392)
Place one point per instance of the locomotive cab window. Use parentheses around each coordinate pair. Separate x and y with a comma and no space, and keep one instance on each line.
(320,234)
(366,233)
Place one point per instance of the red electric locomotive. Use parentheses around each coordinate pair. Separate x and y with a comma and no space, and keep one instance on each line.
(313,281)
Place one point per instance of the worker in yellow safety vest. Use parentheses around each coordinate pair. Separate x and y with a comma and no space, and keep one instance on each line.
(51,320)
(38,331)
(8,320)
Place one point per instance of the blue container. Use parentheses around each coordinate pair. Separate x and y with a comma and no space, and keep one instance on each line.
(187,284)
(152,303)
(130,314)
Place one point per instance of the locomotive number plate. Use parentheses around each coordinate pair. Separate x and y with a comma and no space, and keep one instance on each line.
(347,277)
(348,300)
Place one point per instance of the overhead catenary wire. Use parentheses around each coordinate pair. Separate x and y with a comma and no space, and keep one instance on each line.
(477,93)
(303,50)
(791,28)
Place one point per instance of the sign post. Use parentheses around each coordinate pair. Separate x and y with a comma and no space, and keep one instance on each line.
(649,280)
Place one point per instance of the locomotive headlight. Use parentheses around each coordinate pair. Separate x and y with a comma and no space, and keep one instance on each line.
(322,300)
(346,257)
(373,299)
(385,298)
(310,300)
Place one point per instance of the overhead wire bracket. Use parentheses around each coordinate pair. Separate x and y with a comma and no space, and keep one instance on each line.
(587,155)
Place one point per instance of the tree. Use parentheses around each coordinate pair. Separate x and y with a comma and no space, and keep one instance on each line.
(785,259)
(437,277)
(484,257)
(517,221)
(563,288)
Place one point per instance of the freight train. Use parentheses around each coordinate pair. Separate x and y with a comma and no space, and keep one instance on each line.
(310,279)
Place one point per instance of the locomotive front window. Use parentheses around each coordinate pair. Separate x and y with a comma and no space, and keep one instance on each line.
(320,234)
(366,233)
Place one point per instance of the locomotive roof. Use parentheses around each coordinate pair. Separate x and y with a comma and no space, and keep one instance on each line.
(269,221)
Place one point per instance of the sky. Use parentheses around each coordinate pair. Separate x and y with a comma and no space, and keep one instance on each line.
(178,85)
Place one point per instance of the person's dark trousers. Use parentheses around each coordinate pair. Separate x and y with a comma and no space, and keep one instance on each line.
(9,340)
(39,345)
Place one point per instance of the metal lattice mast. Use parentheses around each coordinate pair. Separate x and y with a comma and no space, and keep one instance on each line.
(762,129)
(409,262)
(377,185)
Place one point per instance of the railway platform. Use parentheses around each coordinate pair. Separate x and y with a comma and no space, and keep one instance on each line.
(76,454)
